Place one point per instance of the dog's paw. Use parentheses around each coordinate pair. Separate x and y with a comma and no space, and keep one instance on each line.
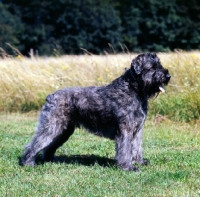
(27,163)
(130,168)
(135,169)
(145,162)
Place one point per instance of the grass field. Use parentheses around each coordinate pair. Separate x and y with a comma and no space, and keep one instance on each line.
(86,166)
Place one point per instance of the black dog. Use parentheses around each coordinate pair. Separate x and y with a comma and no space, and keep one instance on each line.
(116,111)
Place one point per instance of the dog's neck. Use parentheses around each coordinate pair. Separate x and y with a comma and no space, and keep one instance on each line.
(132,74)
(138,86)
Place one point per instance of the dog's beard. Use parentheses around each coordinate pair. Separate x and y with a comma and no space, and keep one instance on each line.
(154,89)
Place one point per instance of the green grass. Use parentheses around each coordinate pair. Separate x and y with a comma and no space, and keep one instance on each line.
(86,165)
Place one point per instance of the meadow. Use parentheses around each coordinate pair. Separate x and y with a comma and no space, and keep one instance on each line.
(25,82)
(86,164)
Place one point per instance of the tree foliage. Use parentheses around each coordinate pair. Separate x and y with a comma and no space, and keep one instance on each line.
(68,26)
(10,29)
(162,25)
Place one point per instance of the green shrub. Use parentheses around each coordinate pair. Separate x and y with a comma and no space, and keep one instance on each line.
(178,107)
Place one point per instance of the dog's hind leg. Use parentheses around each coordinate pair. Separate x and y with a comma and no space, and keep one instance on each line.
(49,134)
(49,151)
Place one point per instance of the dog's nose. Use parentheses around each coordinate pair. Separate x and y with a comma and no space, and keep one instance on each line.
(168,76)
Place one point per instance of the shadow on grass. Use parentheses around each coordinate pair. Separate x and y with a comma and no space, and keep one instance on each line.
(86,160)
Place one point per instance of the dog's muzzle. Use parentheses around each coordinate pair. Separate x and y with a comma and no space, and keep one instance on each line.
(168,76)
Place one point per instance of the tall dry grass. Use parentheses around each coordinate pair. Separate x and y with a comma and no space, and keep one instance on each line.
(24,83)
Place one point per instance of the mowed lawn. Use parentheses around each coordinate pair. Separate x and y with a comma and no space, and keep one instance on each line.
(86,164)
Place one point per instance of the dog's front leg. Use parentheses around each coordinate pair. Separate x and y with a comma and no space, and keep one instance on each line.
(124,151)
(137,152)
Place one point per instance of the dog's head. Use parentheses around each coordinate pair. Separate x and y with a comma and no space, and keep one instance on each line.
(149,73)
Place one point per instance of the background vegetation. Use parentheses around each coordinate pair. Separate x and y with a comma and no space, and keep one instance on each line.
(24,83)
(66,26)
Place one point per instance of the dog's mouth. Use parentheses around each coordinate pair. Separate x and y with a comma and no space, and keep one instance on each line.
(163,83)
(161,88)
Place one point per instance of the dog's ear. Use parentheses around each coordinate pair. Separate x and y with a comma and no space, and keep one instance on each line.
(136,66)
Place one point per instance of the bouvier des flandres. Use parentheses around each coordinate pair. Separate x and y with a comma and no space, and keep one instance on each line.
(116,111)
